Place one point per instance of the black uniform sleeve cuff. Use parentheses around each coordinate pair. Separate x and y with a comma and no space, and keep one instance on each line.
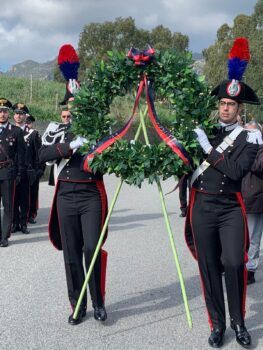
(64,150)
(214,157)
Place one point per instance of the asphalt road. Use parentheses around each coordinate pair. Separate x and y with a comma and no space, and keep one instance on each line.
(144,301)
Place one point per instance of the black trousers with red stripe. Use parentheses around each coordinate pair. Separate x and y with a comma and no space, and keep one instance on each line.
(220,237)
(21,202)
(34,191)
(81,207)
(7,188)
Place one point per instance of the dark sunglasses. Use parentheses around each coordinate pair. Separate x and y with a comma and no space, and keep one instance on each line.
(66,116)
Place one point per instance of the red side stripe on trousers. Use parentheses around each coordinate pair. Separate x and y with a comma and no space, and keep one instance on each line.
(192,196)
(246,243)
(104,254)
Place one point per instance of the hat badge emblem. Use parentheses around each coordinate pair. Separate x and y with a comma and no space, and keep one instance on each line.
(234,88)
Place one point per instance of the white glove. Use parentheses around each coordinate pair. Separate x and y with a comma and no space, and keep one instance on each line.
(203,140)
(80,141)
(254,136)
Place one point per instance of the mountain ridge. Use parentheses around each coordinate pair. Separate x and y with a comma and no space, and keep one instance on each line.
(28,68)
(45,71)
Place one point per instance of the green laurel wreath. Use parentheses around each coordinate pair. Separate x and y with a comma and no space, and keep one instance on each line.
(177,87)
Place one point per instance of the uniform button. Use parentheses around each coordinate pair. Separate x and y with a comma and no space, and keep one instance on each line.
(201,188)
(67,164)
(222,183)
(220,190)
(201,181)
(202,174)
(229,151)
(67,171)
(224,175)
(67,177)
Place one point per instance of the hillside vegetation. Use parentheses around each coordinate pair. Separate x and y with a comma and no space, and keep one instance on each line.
(42,100)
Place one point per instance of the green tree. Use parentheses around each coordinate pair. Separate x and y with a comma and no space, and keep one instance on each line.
(161,37)
(215,55)
(98,38)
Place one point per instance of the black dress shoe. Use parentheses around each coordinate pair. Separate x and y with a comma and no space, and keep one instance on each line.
(216,338)
(75,321)
(15,228)
(32,221)
(100,313)
(4,243)
(242,336)
(25,230)
(250,277)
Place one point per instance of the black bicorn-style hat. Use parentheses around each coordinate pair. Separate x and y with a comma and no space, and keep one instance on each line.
(233,88)
(4,103)
(20,107)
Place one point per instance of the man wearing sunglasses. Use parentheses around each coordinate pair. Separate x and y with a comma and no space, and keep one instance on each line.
(65,116)
(77,215)
(12,159)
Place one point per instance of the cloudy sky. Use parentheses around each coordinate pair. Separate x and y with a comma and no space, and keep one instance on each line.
(35,29)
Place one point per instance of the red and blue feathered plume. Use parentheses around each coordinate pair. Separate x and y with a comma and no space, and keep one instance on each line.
(238,59)
(68,62)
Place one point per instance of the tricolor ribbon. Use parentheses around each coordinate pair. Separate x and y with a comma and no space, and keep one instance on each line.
(161,130)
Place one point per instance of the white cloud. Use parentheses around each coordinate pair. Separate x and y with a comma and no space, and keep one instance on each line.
(151,20)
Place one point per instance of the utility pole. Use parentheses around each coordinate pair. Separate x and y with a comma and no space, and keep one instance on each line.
(56,103)
(31,89)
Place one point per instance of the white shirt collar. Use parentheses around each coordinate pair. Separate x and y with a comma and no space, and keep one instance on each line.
(228,127)
(4,125)
(22,127)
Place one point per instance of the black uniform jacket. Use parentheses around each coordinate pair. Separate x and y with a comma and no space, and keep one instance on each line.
(71,172)
(32,143)
(31,138)
(224,175)
(12,152)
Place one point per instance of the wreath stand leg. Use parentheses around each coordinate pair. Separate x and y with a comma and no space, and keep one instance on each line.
(169,230)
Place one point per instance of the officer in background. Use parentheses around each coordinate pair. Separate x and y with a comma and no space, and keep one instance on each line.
(39,170)
(12,160)
(66,118)
(252,192)
(28,176)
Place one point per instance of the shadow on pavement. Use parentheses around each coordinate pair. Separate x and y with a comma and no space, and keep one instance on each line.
(152,300)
